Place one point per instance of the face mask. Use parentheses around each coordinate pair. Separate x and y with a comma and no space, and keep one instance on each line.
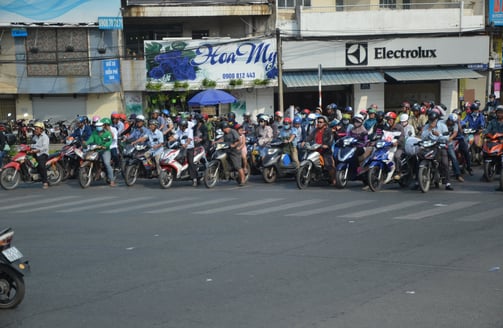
(311,122)
(286,126)
(345,121)
(99,128)
(475,114)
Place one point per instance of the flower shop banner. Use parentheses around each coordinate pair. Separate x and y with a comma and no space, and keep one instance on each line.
(221,63)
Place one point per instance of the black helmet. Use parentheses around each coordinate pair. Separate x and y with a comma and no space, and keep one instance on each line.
(231,115)
(224,125)
(416,107)
(380,115)
(475,106)
(432,115)
(500,107)
(153,122)
(184,123)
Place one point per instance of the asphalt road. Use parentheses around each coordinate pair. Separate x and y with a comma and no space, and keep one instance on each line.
(257,256)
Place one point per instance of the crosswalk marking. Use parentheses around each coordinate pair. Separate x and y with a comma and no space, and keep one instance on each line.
(31,203)
(194,204)
(436,211)
(331,208)
(283,207)
(238,206)
(109,204)
(479,216)
(66,204)
(18,198)
(383,209)
(152,203)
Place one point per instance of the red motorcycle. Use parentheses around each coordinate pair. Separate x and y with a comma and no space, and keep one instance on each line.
(23,166)
(492,152)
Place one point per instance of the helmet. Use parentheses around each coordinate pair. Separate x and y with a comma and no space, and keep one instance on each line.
(2,127)
(346,116)
(123,116)
(456,111)
(237,126)
(358,118)
(287,120)
(333,123)
(380,114)
(324,118)
(390,115)
(297,120)
(156,111)
(98,124)
(263,118)
(311,117)
(153,122)
(140,118)
(363,111)
(165,112)
(96,118)
(476,101)
(371,111)
(106,120)
(416,107)
(224,125)
(405,104)
(404,117)
(205,116)
(306,111)
(453,117)
(468,104)
(185,124)
(500,107)
(81,119)
(39,124)
(423,109)
(247,114)
(348,109)
(231,115)
(278,114)
(332,106)
(433,115)
(474,106)
(132,117)
(115,115)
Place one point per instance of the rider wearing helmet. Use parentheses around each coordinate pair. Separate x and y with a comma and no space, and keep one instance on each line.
(333,112)
(95,120)
(322,135)
(371,121)
(40,148)
(417,119)
(408,129)
(155,140)
(475,120)
(278,118)
(201,135)
(185,135)
(103,138)
(248,126)
(393,126)
(436,130)
(264,135)
(496,125)
(291,136)
(117,123)
(231,119)
(82,131)
(453,126)
(138,131)
(114,147)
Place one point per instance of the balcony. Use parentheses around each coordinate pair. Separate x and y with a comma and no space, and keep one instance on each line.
(375,19)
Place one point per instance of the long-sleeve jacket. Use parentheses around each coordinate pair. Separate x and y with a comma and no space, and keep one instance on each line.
(103,139)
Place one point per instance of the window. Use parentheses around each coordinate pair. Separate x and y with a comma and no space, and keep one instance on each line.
(293,3)
(387,4)
(199,34)
(57,52)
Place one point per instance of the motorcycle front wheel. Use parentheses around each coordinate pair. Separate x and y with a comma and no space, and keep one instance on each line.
(166,178)
(11,288)
(211,175)
(374,178)
(489,171)
(55,174)
(131,174)
(303,176)
(270,174)
(424,178)
(10,178)
(341,180)
(85,176)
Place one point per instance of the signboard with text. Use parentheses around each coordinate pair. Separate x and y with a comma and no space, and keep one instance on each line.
(495,11)
(111,71)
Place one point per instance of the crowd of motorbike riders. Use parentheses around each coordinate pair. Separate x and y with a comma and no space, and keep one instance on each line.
(461,132)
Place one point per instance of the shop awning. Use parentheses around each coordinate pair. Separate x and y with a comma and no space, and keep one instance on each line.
(425,74)
(299,79)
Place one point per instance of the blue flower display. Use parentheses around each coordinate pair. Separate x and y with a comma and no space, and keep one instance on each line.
(272,73)
(176,63)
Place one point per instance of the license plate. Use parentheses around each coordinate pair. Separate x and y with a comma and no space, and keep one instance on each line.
(12,254)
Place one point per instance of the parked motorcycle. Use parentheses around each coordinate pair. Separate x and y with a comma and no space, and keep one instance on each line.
(311,169)
(174,164)
(13,267)
(346,162)
(23,166)
(429,164)
(137,165)
(220,167)
(492,152)
(91,166)
(277,162)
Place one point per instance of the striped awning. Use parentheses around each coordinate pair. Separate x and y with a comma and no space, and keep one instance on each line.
(425,74)
(299,79)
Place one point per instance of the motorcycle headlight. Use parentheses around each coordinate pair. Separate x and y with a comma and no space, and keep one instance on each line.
(91,156)
(272,151)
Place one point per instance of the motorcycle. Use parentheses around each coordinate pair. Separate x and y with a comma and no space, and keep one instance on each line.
(220,167)
(137,165)
(174,164)
(91,166)
(253,156)
(277,162)
(69,160)
(311,169)
(473,140)
(492,152)
(429,164)
(346,162)
(23,166)
(13,267)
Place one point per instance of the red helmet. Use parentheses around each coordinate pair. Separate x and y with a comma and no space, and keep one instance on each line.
(116,115)
(423,109)
(205,116)
(287,120)
(468,104)
(306,111)
(390,115)
(278,114)
(123,116)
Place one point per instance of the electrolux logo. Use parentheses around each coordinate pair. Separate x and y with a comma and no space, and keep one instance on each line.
(419,52)
(356,54)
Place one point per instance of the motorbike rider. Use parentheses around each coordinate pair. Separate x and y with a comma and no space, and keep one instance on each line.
(231,119)
(453,126)
(380,125)
(248,126)
(371,120)
(308,125)
(436,130)
(475,121)
(156,115)
(322,135)
(155,140)
(3,142)
(103,138)
(290,136)
(242,146)
(138,131)
(201,137)
(82,131)
(264,135)
(392,126)
(94,120)
(359,132)
(40,149)
(168,126)
(231,137)
(489,110)
(278,118)
(496,125)
(345,123)
(333,112)
(417,120)
(408,129)
(114,147)
(117,123)
(186,137)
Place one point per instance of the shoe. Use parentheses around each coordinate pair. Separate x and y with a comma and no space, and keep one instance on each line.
(448,187)
(112,184)
(45,186)
(366,188)
(470,171)
(194,182)
(396,176)
(460,178)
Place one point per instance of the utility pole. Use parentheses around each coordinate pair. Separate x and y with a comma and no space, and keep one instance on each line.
(280,70)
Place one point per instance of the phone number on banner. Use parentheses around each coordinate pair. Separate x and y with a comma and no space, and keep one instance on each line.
(249,75)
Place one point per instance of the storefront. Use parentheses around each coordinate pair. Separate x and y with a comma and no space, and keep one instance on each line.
(385,72)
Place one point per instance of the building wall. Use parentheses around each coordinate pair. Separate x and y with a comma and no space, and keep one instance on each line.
(7,64)
(364,98)
(104,104)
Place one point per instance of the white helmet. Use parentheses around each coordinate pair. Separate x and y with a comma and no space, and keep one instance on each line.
(311,117)
(140,118)
(358,117)
(453,117)
(98,124)
(404,117)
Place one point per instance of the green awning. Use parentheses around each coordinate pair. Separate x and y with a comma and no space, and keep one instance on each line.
(425,74)
(299,79)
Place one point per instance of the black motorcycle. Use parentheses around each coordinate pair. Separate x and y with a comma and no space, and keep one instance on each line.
(137,165)
(429,164)
(13,267)
(277,163)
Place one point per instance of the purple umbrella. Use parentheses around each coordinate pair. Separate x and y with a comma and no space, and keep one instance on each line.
(211,97)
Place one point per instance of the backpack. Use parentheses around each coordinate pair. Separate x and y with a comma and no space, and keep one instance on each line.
(10,138)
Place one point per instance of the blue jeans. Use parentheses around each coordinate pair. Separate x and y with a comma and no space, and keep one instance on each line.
(106,157)
(454,160)
(2,153)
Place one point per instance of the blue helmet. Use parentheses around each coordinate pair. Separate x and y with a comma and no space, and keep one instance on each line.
(297,120)
(82,119)
(165,112)
(348,110)
(332,106)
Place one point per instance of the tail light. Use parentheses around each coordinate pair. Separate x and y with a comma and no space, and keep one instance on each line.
(6,238)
